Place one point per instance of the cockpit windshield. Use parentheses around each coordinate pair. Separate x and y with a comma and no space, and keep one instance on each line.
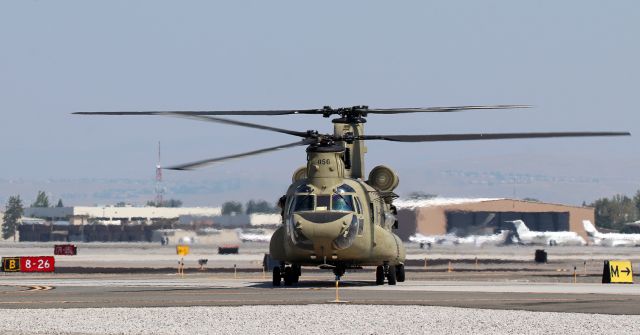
(304,203)
(322,202)
(342,202)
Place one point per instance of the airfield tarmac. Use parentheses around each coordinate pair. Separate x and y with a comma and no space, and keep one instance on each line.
(142,276)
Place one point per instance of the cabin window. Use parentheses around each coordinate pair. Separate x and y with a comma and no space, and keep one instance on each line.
(341,202)
(323,202)
(304,203)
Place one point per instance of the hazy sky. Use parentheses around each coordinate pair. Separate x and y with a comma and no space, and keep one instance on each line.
(576,61)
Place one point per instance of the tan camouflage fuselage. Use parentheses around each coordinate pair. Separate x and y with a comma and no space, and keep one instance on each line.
(334,217)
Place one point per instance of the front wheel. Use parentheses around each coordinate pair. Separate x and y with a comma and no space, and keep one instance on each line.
(391,275)
(379,275)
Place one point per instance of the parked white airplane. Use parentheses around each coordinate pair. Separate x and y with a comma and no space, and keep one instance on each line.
(610,239)
(254,236)
(526,236)
(477,240)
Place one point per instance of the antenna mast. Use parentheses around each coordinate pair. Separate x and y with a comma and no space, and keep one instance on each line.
(159,188)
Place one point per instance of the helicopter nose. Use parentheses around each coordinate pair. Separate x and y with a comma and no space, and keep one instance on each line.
(327,230)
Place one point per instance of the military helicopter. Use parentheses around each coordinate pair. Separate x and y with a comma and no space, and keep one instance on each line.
(332,217)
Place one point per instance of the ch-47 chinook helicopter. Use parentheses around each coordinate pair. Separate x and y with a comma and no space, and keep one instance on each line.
(333,217)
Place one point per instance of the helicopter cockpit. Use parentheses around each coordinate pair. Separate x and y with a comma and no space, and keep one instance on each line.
(341,200)
(340,209)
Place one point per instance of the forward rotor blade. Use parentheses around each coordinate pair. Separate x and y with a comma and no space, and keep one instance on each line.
(474,137)
(197,164)
(440,109)
(240,123)
(214,113)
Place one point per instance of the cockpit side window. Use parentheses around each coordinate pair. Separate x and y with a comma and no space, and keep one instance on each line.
(340,202)
(304,203)
(372,212)
(358,206)
(344,188)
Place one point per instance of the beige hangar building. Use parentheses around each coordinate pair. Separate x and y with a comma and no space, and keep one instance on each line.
(439,216)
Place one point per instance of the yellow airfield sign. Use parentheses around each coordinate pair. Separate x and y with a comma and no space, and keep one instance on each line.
(182,250)
(11,264)
(617,272)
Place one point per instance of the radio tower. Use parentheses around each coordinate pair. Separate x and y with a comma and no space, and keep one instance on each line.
(159,188)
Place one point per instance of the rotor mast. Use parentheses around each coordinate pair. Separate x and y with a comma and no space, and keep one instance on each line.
(352,126)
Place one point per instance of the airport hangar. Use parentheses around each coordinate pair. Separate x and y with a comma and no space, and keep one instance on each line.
(132,224)
(485,216)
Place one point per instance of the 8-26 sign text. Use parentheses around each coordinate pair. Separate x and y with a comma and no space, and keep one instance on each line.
(37,264)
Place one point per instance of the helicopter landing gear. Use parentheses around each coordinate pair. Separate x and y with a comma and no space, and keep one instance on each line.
(339,272)
(379,275)
(277,276)
(387,271)
(297,272)
(400,273)
(391,274)
(290,274)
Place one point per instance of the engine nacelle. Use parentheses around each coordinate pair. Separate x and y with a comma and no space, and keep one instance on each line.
(383,178)
(299,174)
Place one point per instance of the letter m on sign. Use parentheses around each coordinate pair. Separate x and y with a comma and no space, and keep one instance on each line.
(614,271)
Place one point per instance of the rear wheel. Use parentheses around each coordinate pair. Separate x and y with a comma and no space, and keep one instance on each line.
(277,276)
(391,275)
(297,271)
(379,275)
(400,273)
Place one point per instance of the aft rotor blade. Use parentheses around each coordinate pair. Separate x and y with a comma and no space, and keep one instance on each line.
(240,123)
(325,111)
(475,137)
(204,162)
(439,109)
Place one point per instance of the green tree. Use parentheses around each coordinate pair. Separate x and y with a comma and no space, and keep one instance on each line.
(603,212)
(60,204)
(636,200)
(419,195)
(13,213)
(42,200)
(230,207)
(614,212)
(173,203)
(260,206)
(166,203)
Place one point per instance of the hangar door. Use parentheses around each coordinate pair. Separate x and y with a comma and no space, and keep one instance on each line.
(486,223)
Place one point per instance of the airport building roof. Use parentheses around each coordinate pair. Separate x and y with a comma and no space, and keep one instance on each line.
(112,212)
(431,202)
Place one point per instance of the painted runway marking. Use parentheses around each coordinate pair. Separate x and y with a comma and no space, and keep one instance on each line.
(38,288)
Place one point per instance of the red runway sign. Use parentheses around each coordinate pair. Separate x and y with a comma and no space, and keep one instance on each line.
(37,264)
(65,250)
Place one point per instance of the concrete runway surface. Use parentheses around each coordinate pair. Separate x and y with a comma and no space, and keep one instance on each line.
(207,290)
(143,275)
(134,289)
